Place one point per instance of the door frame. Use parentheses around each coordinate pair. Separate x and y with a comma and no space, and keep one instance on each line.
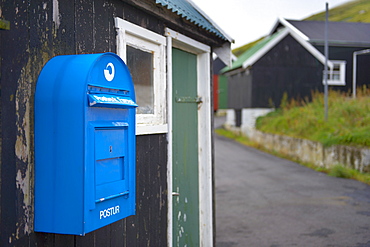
(177,40)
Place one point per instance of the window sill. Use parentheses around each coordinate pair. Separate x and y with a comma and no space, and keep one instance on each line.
(335,83)
(142,129)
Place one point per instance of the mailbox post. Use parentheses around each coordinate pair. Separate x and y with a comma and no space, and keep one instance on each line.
(84,144)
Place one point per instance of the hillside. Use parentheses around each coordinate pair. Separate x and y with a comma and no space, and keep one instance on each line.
(353,11)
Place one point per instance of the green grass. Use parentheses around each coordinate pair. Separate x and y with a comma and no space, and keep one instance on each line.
(239,138)
(335,171)
(353,11)
(348,119)
(345,172)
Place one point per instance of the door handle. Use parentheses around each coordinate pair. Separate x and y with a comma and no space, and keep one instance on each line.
(175,194)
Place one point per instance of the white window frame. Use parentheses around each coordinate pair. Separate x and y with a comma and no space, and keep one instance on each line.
(143,39)
(332,72)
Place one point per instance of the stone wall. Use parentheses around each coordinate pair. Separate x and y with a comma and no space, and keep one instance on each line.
(314,152)
(299,149)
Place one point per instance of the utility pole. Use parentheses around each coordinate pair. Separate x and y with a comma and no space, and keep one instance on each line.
(326,63)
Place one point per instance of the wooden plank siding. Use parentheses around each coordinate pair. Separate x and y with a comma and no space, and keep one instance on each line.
(239,91)
(38,33)
(287,68)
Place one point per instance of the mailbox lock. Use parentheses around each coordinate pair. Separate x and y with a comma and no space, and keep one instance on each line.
(110,149)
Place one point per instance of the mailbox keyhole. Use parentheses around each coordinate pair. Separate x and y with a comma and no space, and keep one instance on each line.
(110,149)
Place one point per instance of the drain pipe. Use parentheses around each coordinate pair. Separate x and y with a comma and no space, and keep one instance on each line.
(355,68)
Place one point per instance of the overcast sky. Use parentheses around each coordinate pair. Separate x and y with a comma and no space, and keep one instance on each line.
(248,20)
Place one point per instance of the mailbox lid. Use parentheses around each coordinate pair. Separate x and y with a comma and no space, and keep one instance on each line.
(110,76)
(104,77)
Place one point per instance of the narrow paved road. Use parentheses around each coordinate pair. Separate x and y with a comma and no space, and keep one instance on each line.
(262,200)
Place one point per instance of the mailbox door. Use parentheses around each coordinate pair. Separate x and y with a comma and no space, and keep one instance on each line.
(111,169)
(110,194)
(107,167)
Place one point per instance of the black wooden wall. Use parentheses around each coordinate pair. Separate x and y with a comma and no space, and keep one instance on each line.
(39,32)
(239,90)
(286,68)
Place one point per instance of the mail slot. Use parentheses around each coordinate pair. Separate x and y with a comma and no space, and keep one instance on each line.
(84,144)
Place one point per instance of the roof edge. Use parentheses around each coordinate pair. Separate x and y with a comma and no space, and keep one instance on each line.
(228,37)
(310,48)
(268,46)
(254,58)
(189,11)
(286,24)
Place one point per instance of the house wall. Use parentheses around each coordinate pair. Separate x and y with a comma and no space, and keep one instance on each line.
(239,93)
(39,31)
(287,68)
(346,53)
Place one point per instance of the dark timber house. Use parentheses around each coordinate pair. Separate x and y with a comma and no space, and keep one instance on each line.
(291,60)
(174,190)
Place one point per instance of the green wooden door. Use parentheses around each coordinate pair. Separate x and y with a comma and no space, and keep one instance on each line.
(222,89)
(185,149)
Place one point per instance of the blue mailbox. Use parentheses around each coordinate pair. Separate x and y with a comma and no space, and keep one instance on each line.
(84,144)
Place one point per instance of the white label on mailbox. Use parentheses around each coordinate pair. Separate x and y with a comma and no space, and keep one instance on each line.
(113,99)
(109,72)
(109,212)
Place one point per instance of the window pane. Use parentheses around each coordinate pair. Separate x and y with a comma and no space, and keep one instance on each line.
(336,76)
(140,64)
